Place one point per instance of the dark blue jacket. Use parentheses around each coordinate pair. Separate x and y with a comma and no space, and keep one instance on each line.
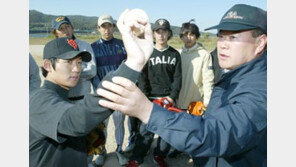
(109,55)
(233,132)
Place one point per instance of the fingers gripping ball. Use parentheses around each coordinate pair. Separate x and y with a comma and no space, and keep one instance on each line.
(96,140)
(133,17)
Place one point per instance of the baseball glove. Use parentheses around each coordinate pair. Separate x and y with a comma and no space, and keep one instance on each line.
(196,108)
(96,140)
(164,102)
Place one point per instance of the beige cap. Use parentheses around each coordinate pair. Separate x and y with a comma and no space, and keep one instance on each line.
(105,19)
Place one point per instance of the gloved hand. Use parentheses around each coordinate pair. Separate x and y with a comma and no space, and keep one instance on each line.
(196,108)
(96,140)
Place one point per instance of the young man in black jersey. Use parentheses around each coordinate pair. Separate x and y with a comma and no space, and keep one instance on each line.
(161,77)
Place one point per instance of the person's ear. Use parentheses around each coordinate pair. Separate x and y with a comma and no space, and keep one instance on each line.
(55,34)
(261,43)
(47,65)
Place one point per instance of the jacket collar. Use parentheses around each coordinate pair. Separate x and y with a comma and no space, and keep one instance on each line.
(104,41)
(56,88)
(196,46)
(257,65)
(161,50)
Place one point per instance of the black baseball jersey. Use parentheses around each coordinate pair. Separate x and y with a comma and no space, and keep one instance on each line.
(57,127)
(162,74)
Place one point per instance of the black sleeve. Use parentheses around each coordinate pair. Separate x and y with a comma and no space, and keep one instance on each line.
(82,117)
(177,82)
(143,84)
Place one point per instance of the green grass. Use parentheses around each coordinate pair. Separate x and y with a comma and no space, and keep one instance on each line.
(176,42)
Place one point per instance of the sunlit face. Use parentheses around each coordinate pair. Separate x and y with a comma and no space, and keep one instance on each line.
(189,39)
(161,36)
(106,30)
(65,30)
(66,73)
(236,48)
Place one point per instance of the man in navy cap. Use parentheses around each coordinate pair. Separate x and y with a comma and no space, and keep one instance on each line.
(233,131)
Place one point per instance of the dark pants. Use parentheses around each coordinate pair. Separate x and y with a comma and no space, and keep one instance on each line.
(133,127)
(162,148)
(143,141)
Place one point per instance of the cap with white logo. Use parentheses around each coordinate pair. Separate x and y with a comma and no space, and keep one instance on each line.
(162,24)
(243,17)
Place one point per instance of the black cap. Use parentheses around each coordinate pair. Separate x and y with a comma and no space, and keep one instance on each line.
(64,48)
(58,21)
(162,24)
(243,17)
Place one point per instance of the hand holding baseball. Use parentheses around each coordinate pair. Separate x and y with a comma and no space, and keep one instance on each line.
(134,18)
(124,96)
(137,37)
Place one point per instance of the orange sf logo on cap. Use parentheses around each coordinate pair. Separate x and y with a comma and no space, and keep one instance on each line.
(72,43)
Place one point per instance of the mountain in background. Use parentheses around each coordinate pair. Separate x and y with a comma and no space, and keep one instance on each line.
(42,22)
(39,22)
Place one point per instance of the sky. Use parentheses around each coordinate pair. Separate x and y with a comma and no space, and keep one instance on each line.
(206,13)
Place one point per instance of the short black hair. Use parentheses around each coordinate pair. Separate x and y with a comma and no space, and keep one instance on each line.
(44,71)
(189,27)
(257,32)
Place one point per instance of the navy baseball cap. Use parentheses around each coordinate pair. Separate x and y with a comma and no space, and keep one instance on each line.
(162,24)
(58,21)
(64,48)
(243,17)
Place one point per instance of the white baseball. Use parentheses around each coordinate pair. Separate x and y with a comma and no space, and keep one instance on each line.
(132,16)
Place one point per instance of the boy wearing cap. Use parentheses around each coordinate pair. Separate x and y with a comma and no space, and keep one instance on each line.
(161,77)
(233,131)
(58,126)
(62,27)
(109,53)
